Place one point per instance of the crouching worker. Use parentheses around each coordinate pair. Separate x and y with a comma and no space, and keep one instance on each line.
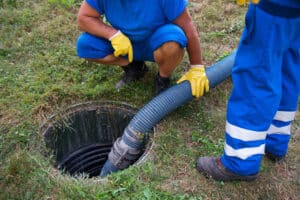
(139,31)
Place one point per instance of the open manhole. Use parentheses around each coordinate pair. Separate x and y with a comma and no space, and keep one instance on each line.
(81,138)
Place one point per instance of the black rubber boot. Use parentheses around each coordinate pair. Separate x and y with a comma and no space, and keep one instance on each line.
(132,72)
(161,84)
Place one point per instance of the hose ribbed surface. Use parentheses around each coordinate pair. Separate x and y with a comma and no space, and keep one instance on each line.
(220,71)
(177,95)
(171,99)
(160,106)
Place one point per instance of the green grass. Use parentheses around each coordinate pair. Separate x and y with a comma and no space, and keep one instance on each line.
(41,75)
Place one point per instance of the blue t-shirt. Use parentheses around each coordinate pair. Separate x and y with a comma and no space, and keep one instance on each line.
(138,18)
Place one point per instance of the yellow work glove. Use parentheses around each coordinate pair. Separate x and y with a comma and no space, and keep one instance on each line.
(243,2)
(121,45)
(198,80)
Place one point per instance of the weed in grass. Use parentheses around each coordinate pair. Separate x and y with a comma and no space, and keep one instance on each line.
(67,3)
(207,146)
(24,176)
(8,3)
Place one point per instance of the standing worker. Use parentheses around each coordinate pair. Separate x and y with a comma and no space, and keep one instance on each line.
(266,87)
(139,31)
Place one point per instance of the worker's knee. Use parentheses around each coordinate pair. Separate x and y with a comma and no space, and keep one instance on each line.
(169,50)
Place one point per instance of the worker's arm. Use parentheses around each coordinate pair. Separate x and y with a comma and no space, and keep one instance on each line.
(193,45)
(196,74)
(89,20)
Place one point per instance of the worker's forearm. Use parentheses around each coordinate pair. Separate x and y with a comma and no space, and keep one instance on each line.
(95,27)
(193,45)
(194,49)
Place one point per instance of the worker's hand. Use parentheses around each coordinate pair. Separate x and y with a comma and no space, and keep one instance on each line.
(198,80)
(243,2)
(121,45)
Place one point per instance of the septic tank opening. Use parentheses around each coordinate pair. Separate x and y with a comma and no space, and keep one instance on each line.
(81,138)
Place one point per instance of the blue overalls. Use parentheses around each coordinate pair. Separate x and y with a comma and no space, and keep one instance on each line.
(266,86)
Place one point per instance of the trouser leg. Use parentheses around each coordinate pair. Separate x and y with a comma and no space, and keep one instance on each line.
(279,133)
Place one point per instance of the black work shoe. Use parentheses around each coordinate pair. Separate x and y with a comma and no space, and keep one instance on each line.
(161,84)
(213,167)
(132,72)
(274,158)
